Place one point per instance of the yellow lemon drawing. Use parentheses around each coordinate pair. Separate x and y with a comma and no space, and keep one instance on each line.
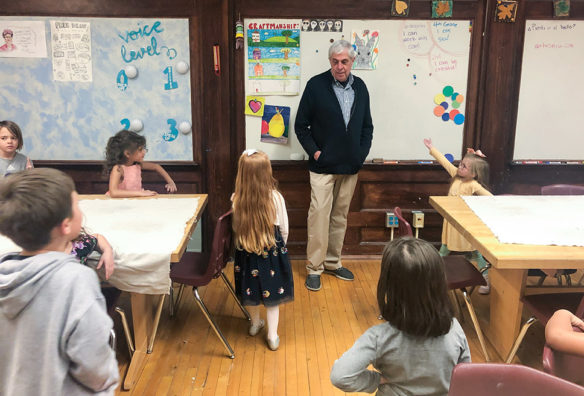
(276,125)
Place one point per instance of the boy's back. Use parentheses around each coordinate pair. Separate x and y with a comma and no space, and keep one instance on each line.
(54,328)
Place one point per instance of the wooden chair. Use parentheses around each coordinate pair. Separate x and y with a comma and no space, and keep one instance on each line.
(199,269)
(461,274)
(498,379)
(543,307)
(564,365)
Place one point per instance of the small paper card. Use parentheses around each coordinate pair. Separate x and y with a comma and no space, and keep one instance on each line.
(254,105)
(561,8)
(400,8)
(441,8)
(506,11)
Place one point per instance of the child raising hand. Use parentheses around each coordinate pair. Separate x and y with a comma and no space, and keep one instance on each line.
(470,178)
(124,155)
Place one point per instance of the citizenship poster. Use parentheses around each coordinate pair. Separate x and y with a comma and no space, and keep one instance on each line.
(71,51)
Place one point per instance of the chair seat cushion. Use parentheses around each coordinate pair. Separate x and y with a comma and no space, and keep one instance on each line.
(191,269)
(461,273)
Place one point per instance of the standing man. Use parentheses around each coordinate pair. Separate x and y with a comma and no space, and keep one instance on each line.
(334,126)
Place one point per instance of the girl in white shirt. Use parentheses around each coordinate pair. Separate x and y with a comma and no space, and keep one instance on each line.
(263,274)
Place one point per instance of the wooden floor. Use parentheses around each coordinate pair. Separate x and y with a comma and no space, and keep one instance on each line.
(315,329)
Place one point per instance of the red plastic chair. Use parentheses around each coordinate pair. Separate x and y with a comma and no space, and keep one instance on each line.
(498,379)
(562,189)
(543,307)
(199,269)
(460,274)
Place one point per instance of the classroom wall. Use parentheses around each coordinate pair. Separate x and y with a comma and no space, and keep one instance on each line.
(219,137)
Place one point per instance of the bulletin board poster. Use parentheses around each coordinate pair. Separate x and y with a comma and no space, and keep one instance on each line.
(98,76)
(22,39)
(273,53)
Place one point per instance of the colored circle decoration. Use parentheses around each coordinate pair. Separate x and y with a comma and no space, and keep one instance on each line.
(458,119)
(449,157)
(438,111)
(443,99)
(439,99)
(448,90)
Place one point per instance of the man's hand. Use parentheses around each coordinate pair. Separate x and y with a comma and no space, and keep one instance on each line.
(316,155)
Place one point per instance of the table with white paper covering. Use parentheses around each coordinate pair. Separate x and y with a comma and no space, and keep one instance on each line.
(143,235)
(532,220)
(146,234)
(516,233)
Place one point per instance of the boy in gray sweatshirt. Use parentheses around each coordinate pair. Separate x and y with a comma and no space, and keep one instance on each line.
(54,325)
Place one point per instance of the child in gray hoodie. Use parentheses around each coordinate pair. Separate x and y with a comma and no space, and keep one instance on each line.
(54,326)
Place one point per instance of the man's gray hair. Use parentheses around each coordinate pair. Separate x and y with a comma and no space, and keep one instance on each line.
(341,45)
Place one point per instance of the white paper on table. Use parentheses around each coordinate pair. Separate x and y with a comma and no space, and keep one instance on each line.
(532,219)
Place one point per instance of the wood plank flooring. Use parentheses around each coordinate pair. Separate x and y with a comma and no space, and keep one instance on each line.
(315,329)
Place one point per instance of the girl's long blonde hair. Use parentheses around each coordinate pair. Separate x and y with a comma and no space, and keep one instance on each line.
(254,211)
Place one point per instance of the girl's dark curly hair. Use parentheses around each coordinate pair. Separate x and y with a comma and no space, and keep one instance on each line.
(117,145)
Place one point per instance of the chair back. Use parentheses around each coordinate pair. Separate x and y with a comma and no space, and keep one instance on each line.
(404,228)
(221,246)
(482,379)
(562,189)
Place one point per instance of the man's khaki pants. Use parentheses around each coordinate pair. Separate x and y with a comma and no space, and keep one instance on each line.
(330,197)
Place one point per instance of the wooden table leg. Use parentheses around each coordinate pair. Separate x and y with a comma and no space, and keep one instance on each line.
(142,318)
(506,308)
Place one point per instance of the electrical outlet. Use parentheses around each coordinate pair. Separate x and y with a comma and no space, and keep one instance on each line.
(418,219)
(391,220)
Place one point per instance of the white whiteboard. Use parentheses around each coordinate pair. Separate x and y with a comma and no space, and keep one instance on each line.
(417,59)
(550,116)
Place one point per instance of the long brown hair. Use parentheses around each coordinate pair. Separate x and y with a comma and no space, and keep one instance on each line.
(254,211)
(479,167)
(411,292)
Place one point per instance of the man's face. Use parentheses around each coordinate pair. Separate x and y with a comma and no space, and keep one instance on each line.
(341,65)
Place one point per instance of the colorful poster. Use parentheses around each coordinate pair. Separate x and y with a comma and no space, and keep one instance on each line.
(366,43)
(275,123)
(254,105)
(273,51)
(23,39)
(71,51)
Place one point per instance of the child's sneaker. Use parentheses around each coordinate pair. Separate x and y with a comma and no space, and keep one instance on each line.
(485,289)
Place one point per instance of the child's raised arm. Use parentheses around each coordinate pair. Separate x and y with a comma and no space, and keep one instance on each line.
(428,143)
(170,186)
(107,255)
(114,182)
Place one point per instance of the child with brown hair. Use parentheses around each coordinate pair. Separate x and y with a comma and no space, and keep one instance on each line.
(11,161)
(470,178)
(53,321)
(263,274)
(415,351)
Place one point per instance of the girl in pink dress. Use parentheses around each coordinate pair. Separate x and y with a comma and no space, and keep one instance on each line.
(124,155)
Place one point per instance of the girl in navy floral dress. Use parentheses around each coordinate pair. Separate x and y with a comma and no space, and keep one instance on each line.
(263,274)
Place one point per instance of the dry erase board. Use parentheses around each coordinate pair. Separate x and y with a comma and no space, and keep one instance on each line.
(416,61)
(71,99)
(551,96)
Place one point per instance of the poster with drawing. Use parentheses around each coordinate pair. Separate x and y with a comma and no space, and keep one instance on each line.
(273,53)
(23,39)
(71,51)
(366,43)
